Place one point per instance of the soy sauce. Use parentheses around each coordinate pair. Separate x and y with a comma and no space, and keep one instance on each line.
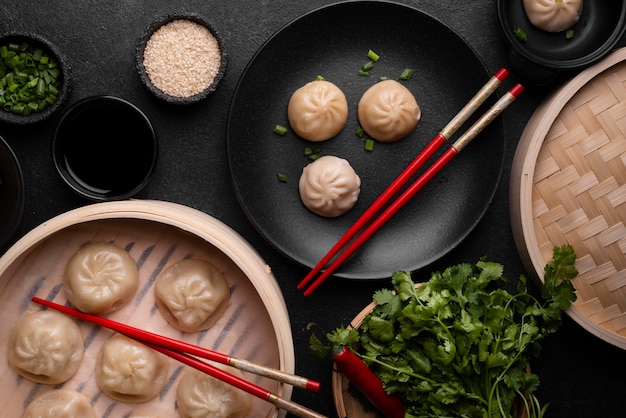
(106,147)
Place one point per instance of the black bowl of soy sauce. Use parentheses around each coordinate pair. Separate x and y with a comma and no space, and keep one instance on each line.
(105,148)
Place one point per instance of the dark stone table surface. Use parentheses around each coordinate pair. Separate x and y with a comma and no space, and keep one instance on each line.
(581,375)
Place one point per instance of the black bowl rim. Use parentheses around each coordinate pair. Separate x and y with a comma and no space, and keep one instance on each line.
(19,208)
(155,25)
(58,164)
(65,82)
(561,65)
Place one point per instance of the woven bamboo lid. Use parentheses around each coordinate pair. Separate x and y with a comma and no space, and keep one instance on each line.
(568,185)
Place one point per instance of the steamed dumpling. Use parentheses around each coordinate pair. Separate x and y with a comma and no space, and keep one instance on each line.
(318,110)
(329,186)
(553,15)
(388,111)
(100,278)
(199,395)
(45,347)
(192,294)
(60,403)
(129,371)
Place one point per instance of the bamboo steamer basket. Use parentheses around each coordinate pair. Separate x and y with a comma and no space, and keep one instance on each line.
(568,186)
(255,326)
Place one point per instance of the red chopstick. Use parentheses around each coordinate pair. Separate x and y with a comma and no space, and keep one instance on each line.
(428,174)
(449,130)
(172,344)
(236,381)
(279,375)
(181,351)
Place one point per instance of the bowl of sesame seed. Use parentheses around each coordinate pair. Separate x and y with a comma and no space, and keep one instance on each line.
(181,58)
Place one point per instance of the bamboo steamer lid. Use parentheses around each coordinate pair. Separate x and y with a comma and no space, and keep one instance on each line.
(568,186)
(156,234)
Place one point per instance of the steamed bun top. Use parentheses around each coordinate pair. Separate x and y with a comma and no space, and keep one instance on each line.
(388,111)
(318,110)
(329,186)
(552,15)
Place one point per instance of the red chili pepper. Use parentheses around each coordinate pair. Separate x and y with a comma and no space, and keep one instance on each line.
(357,372)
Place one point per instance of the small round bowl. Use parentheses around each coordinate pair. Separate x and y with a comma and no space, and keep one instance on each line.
(105,148)
(545,55)
(11,192)
(36,41)
(158,66)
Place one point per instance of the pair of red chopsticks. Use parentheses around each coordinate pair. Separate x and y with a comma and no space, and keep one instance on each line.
(409,172)
(185,352)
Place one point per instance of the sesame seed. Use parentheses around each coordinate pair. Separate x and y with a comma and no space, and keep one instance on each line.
(182,58)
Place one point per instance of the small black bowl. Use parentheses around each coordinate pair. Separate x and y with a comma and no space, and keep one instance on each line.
(105,148)
(545,55)
(37,41)
(11,192)
(145,78)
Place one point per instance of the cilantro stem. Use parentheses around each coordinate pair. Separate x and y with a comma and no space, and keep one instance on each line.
(396,369)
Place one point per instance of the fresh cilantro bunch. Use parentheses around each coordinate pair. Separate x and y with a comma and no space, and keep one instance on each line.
(459,345)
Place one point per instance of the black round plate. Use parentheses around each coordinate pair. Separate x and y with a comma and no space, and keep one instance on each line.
(333,41)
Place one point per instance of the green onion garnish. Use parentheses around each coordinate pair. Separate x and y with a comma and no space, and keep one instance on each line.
(320,77)
(312,153)
(281,177)
(280,130)
(569,34)
(368,66)
(406,74)
(360,132)
(373,55)
(363,73)
(383,78)
(520,34)
(369,145)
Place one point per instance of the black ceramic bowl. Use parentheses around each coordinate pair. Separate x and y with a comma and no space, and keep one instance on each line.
(105,148)
(36,41)
(165,93)
(544,55)
(11,192)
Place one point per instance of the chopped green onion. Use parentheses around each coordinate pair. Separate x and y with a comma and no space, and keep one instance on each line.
(569,34)
(363,73)
(368,66)
(369,145)
(360,132)
(383,78)
(373,55)
(280,130)
(281,177)
(406,74)
(37,54)
(520,34)
(320,77)
(312,153)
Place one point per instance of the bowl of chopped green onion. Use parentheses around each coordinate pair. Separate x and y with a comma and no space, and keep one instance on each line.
(181,58)
(34,79)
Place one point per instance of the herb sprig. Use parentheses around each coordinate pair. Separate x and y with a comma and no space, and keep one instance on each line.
(459,345)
